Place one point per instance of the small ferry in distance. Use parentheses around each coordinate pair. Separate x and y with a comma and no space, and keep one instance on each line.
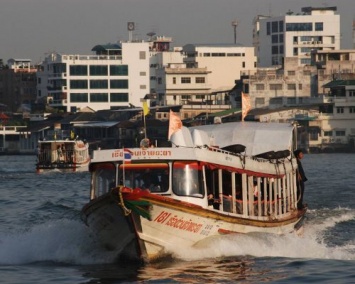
(212,180)
(60,150)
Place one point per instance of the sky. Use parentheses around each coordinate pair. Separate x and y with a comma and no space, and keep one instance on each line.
(31,29)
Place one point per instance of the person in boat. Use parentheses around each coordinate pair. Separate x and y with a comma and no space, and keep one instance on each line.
(301,178)
(59,153)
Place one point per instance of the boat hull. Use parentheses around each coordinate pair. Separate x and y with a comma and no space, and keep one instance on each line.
(173,225)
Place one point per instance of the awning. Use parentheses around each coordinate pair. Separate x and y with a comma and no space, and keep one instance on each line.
(100,124)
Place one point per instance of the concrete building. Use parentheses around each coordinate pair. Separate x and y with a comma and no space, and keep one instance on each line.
(18,85)
(334,128)
(226,62)
(296,35)
(116,76)
(333,65)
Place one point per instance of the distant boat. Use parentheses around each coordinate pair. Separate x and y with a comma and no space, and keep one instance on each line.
(232,178)
(59,151)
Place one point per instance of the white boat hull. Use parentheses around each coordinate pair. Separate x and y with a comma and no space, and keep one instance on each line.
(173,226)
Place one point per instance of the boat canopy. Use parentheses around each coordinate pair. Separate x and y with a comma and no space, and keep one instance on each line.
(258,138)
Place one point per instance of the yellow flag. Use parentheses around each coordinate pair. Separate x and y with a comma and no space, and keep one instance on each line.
(145,108)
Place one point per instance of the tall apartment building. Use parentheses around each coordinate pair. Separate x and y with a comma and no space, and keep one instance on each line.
(296,35)
(116,76)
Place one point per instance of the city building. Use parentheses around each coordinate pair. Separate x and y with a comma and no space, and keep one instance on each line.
(116,76)
(334,127)
(18,85)
(296,35)
(226,62)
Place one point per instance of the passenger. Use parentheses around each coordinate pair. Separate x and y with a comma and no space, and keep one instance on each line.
(301,178)
(59,153)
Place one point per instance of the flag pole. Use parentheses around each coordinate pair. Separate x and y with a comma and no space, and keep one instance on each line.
(145,126)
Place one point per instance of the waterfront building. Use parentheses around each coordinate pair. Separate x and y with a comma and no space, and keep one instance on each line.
(334,128)
(116,76)
(226,62)
(18,85)
(296,35)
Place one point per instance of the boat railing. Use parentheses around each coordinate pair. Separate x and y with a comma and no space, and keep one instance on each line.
(266,208)
(48,156)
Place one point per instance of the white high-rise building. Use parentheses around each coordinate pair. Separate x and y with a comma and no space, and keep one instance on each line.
(296,35)
(116,76)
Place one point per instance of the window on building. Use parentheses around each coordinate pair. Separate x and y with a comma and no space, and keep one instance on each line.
(351,93)
(118,70)
(274,87)
(78,84)
(118,97)
(298,27)
(142,55)
(318,26)
(243,64)
(259,87)
(79,97)
(186,97)
(275,27)
(39,93)
(291,73)
(275,49)
(328,133)
(98,84)
(119,84)
(300,86)
(306,61)
(274,38)
(142,73)
(291,87)
(340,109)
(160,81)
(295,51)
(98,70)
(200,80)
(78,70)
(200,97)
(185,80)
(340,133)
(142,87)
(99,97)
(174,80)
(352,109)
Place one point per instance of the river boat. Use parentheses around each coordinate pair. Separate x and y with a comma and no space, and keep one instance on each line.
(61,151)
(213,180)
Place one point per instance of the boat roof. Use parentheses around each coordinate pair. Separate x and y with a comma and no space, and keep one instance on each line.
(258,138)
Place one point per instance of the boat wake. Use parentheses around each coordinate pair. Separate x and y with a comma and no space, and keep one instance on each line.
(61,241)
(70,242)
(314,243)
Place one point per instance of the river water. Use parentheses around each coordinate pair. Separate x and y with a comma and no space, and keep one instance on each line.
(43,240)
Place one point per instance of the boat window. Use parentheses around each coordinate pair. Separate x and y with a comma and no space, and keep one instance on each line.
(187,179)
(152,176)
(102,178)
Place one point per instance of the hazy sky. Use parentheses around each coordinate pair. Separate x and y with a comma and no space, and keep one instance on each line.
(30,29)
